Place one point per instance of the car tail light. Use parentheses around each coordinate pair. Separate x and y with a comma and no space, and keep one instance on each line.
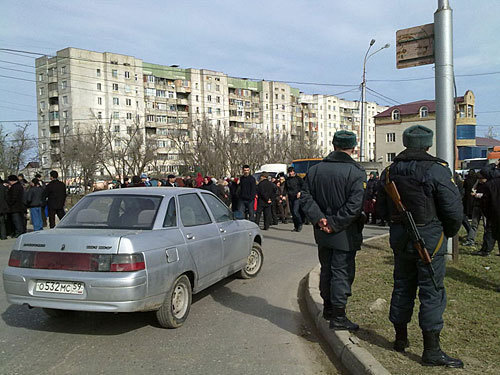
(77,261)
(127,262)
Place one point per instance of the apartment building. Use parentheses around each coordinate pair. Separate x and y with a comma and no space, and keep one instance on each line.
(391,124)
(78,89)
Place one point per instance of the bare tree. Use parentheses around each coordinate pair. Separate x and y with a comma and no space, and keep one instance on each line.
(16,149)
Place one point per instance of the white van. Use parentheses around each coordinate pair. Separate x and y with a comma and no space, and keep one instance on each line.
(272,169)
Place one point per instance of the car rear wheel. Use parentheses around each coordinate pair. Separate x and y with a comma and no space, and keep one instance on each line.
(177,303)
(56,313)
(254,262)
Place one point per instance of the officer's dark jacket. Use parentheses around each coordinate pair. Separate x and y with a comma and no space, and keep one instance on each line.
(334,189)
(266,191)
(491,202)
(428,191)
(15,198)
(293,185)
(55,194)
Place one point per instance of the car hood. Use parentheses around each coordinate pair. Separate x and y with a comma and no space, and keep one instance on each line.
(77,241)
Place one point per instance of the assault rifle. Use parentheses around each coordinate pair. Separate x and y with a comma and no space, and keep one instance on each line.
(418,241)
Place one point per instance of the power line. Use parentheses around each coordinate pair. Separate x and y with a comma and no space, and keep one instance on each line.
(382,95)
(176,70)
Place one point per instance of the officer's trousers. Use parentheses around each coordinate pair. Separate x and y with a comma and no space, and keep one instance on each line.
(337,274)
(409,274)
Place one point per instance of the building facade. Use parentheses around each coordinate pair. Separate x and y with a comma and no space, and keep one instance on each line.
(391,123)
(79,89)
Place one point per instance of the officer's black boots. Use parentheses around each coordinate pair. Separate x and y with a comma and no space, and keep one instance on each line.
(328,311)
(433,355)
(340,322)
(401,342)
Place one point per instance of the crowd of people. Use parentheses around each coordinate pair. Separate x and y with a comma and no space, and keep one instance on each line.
(42,200)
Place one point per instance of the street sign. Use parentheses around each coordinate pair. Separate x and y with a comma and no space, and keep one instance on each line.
(415,46)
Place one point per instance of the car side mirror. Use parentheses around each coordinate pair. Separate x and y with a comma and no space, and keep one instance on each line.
(238,215)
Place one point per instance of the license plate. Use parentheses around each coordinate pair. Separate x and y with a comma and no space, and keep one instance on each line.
(64,287)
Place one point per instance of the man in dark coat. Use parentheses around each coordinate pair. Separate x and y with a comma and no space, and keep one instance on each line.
(15,200)
(266,192)
(55,196)
(4,210)
(428,191)
(332,199)
(209,185)
(171,181)
(33,199)
(247,190)
(490,205)
(293,186)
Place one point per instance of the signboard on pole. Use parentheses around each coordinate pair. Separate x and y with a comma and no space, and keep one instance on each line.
(415,46)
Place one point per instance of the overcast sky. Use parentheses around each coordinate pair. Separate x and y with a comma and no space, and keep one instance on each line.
(320,41)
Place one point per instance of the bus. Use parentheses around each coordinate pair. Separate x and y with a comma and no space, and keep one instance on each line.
(301,166)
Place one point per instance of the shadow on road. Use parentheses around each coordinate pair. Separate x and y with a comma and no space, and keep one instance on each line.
(257,306)
(77,322)
(311,244)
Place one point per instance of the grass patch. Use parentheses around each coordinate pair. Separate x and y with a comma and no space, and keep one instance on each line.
(472,325)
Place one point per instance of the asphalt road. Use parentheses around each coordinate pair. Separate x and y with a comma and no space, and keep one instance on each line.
(238,326)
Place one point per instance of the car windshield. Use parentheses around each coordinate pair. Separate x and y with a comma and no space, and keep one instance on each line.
(113,212)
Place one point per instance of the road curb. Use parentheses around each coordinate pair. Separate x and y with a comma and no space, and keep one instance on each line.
(345,345)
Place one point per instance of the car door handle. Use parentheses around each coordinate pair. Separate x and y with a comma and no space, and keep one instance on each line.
(190,236)
(222,230)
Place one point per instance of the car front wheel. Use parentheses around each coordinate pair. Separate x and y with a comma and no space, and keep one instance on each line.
(254,262)
(176,305)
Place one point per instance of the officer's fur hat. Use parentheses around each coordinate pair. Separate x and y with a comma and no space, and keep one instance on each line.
(418,137)
(344,139)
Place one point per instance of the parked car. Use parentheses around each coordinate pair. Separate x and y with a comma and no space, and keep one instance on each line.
(139,249)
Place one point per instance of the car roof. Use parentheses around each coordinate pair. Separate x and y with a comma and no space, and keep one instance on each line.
(160,191)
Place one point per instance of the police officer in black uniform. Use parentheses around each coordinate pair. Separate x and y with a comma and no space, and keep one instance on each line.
(428,191)
(332,199)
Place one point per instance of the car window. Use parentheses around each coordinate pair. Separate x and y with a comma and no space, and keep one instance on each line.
(192,210)
(219,210)
(113,212)
(171,215)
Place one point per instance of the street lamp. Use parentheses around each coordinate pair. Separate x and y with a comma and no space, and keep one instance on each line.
(363,97)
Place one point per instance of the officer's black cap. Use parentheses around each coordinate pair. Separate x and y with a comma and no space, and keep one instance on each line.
(344,139)
(418,137)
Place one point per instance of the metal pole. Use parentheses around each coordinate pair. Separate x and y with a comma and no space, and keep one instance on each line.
(363,96)
(445,108)
(445,111)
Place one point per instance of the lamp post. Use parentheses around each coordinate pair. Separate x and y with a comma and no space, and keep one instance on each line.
(363,97)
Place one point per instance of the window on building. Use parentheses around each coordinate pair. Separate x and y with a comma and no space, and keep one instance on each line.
(209,109)
(99,115)
(41,91)
(117,143)
(218,111)
(390,137)
(217,99)
(63,69)
(129,116)
(209,86)
(217,87)
(128,102)
(64,84)
(65,114)
(276,96)
(424,112)
(99,87)
(390,156)
(98,72)
(115,86)
(127,75)
(116,101)
(209,98)
(116,115)
(197,98)
(396,114)
(99,100)
(40,77)
(150,118)
(65,99)
(470,111)
(114,73)
(117,129)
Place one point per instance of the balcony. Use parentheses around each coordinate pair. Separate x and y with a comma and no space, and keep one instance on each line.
(182,101)
(52,79)
(54,123)
(183,89)
(53,93)
(55,136)
(54,108)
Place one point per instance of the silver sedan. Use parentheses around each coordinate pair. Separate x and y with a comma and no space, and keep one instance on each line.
(136,249)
